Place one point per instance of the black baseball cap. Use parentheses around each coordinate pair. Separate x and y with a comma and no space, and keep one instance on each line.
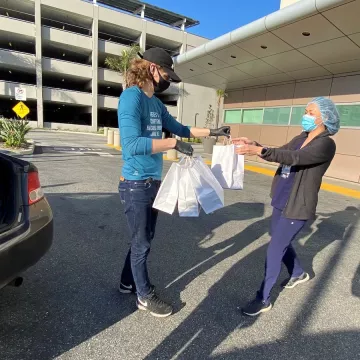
(160,57)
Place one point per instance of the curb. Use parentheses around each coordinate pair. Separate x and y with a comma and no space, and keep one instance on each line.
(324,186)
(69,132)
(114,147)
(31,149)
(28,151)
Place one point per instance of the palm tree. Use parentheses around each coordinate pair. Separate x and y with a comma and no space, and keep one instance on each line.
(121,63)
(220,94)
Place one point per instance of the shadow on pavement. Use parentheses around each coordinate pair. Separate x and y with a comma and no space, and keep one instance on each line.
(71,295)
(337,345)
(56,185)
(217,316)
(356,283)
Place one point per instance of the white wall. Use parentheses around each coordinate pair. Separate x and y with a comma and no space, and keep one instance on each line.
(67,96)
(108,102)
(7,89)
(197,101)
(18,60)
(17,26)
(64,37)
(111,48)
(66,67)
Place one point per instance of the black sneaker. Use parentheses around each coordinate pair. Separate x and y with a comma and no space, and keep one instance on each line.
(127,289)
(294,281)
(154,305)
(256,307)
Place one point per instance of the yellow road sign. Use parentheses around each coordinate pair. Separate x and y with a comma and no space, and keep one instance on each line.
(21,109)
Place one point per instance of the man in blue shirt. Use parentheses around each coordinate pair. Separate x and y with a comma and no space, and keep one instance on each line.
(142,116)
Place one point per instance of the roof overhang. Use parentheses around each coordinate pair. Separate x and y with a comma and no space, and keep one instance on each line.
(311,38)
(152,12)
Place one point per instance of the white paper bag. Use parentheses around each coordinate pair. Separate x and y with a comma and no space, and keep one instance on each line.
(208,191)
(167,196)
(228,167)
(188,205)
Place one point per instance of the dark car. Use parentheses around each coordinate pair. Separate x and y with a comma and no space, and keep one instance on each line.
(26,220)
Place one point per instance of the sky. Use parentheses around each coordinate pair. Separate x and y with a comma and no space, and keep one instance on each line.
(219,17)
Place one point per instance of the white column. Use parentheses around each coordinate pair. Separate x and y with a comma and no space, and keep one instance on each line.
(142,39)
(180,102)
(95,66)
(183,25)
(143,12)
(38,64)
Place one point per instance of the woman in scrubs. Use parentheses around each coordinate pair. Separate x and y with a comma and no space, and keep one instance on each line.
(303,163)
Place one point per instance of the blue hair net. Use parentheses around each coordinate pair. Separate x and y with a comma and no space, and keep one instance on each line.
(330,115)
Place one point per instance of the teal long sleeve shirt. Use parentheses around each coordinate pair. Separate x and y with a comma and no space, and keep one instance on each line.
(141,120)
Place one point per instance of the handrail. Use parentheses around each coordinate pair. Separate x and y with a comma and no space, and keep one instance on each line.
(66,61)
(110,96)
(67,24)
(16,83)
(67,31)
(14,18)
(132,41)
(169,50)
(18,52)
(60,89)
(7,14)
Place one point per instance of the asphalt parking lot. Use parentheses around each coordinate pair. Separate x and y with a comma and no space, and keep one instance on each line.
(69,306)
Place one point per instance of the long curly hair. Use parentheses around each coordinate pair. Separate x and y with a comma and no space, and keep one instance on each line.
(138,73)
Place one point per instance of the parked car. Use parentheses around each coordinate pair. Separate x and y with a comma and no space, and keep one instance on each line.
(26,220)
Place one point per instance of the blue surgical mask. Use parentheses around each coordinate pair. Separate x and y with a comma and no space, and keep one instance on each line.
(308,123)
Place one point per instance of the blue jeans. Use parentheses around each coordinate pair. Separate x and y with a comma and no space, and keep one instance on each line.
(283,232)
(138,198)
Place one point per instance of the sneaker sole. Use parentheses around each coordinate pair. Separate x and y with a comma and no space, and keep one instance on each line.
(259,312)
(307,278)
(143,308)
(124,291)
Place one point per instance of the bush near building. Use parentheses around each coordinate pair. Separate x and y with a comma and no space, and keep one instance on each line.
(13,132)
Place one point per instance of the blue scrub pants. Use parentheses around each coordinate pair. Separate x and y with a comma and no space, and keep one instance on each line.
(283,232)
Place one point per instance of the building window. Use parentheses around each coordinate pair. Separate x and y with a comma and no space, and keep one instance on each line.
(252,116)
(233,116)
(277,116)
(296,115)
(349,115)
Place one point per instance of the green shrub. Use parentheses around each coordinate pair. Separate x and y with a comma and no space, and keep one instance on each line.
(13,132)
(1,126)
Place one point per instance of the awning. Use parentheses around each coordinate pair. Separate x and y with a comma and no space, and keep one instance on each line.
(311,38)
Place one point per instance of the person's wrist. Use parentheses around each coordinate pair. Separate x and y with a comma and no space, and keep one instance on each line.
(172,143)
(263,151)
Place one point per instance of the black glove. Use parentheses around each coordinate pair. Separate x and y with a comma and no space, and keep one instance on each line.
(184,148)
(223,131)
